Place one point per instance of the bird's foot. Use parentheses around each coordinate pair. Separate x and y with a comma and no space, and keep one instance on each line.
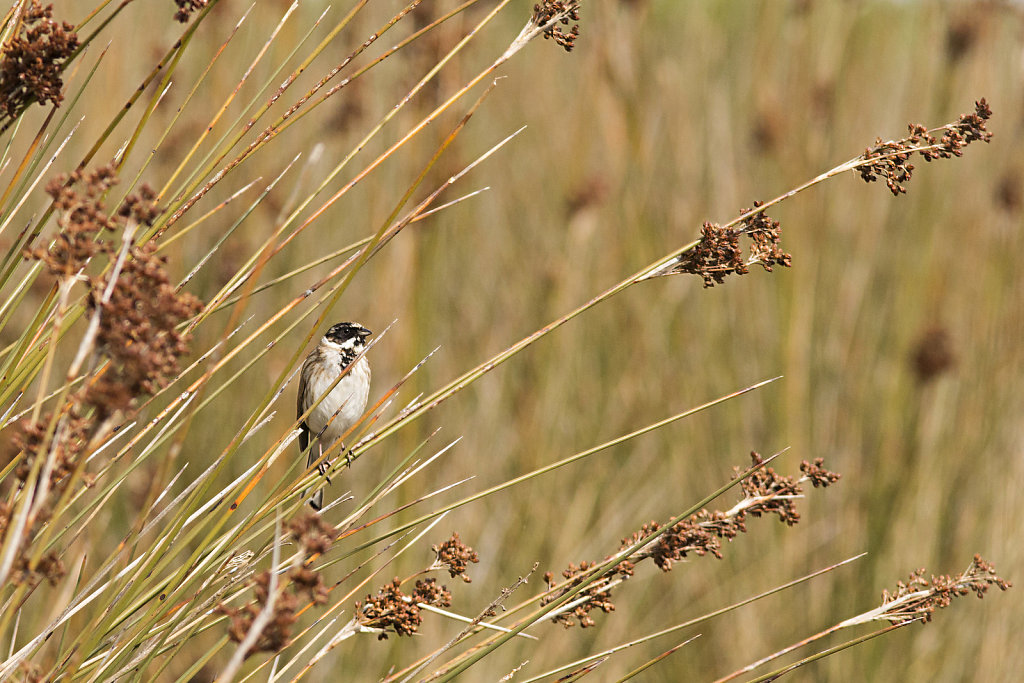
(323,468)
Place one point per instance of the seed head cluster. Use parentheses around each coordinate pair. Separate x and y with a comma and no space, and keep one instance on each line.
(32,62)
(63,449)
(138,330)
(455,555)
(919,598)
(277,634)
(597,595)
(140,315)
(551,13)
(720,253)
(82,220)
(764,234)
(314,537)
(890,161)
(137,336)
(187,7)
(391,610)
(766,492)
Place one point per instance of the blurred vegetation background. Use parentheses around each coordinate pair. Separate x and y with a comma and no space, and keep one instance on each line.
(665,115)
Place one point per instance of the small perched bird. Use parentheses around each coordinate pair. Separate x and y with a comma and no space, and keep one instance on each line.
(332,417)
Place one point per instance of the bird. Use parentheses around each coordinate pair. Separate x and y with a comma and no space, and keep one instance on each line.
(339,349)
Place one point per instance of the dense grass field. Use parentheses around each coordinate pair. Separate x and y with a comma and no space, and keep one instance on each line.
(895,340)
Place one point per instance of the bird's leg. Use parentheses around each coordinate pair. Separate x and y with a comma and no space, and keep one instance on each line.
(324,465)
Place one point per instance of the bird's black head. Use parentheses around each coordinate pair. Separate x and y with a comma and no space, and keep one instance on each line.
(348,335)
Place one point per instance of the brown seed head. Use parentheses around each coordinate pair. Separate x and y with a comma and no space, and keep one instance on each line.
(187,7)
(33,60)
(456,556)
(550,13)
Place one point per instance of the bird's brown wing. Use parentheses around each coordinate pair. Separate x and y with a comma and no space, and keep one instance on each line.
(301,404)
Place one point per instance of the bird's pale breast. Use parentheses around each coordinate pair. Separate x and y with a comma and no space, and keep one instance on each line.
(349,395)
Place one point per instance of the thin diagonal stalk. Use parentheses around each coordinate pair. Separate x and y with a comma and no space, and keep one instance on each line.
(192,193)
(170,56)
(566,461)
(775,675)
(594,573)
(647,665)
(231,97)
(693,622)
(648,272)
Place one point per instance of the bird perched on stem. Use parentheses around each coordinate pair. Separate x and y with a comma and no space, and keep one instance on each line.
(335,355)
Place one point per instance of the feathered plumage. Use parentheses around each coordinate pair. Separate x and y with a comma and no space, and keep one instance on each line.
(332,417)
